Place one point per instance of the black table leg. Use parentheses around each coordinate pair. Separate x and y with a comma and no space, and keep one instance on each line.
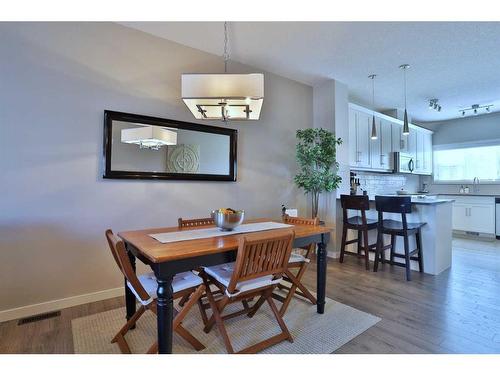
(321,275)
(165,314)
(130,299)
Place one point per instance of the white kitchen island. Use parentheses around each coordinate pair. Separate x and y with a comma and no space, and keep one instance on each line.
(436,234)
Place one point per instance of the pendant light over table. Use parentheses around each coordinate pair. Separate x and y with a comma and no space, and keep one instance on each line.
(224,96)
(406,127)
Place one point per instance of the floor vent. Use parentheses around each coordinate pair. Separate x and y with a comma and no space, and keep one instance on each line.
(37,318)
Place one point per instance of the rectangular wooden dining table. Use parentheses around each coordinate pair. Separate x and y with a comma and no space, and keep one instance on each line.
(168,259)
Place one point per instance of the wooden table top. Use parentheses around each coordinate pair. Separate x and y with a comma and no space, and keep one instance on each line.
(158,252)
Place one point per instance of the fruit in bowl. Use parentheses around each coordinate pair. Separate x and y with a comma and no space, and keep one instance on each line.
(227,219)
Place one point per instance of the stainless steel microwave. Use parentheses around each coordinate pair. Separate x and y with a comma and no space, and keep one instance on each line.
(403,163)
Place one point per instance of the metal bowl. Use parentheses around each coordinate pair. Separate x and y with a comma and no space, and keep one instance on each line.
(228,221)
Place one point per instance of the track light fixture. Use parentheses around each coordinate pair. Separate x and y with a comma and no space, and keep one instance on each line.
(433,104)
(476,109)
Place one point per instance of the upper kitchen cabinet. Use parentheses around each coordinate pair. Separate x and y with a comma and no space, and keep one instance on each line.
(381,148)
(359,142)
(377,154)
(399,140)
(420,142)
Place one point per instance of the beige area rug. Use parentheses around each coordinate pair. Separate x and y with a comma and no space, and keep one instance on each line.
(313,333)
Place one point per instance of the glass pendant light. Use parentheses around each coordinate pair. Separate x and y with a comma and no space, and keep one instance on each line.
(406,127)
(374,128)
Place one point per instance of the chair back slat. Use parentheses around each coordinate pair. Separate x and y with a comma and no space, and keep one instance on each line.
(121,258)
(193,223)
(261,254)
(287,219)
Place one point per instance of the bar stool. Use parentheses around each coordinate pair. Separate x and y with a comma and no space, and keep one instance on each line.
(358,223)
(398,205)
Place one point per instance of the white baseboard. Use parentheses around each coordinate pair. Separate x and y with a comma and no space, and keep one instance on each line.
(40,308)
(332,254)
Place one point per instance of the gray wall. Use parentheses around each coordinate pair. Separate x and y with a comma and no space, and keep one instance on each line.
(56,80)
(467,129)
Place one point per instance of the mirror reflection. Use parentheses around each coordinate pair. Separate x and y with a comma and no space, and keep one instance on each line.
(144,148)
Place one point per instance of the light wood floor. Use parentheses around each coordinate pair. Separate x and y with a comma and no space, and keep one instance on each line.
(455,312)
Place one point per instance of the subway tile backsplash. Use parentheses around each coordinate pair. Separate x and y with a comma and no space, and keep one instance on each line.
(380,183)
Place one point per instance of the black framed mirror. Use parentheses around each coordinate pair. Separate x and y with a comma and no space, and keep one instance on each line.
(144,147)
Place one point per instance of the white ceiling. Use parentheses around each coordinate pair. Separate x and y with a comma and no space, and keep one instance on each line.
(458,63)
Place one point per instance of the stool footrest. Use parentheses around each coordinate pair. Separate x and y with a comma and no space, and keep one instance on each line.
(398,255)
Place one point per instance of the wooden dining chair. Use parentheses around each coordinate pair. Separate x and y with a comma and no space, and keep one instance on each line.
(261,261)
(299,260)
(144,287)
(194,223)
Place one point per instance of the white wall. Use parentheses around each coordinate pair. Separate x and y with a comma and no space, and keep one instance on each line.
(330,101)
(56,80)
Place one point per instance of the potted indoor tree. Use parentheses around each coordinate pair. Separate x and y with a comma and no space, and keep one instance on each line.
(316,156)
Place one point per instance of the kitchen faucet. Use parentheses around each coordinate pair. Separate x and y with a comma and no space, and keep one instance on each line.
(475,184)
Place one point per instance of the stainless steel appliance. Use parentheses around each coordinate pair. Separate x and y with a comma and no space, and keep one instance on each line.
(403,163)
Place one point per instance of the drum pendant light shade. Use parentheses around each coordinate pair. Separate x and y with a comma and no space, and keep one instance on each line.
(223,96)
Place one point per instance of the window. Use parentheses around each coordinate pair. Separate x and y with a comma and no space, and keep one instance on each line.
(457,163)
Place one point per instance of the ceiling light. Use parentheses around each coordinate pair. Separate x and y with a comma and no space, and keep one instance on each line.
(476,108)
(151,137)
(433,104)
(223,96)
(406,127)
(374,127)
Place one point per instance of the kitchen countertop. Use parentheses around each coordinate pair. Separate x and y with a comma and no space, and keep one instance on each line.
(467,195)
(416,200)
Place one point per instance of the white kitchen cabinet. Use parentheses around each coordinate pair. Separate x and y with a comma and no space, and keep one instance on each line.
(421,141)
(427,169)
(377,154)
(386,145)
(363,139)
(419,151)
(474,214)
(353,157)
(412,143)
(359,139)
(460,217)
(482,218)
(399,140)
(381,148)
